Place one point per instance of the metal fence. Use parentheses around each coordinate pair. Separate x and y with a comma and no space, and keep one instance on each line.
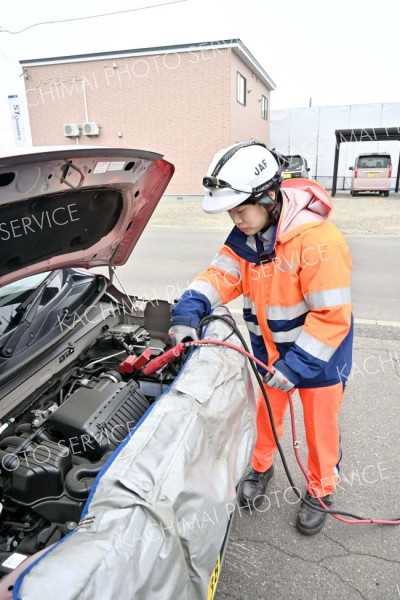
(343,183)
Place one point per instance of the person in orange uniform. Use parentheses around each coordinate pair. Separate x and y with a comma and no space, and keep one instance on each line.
(292,266)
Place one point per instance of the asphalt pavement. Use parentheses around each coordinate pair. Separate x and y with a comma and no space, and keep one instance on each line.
(267,558)
(165,261)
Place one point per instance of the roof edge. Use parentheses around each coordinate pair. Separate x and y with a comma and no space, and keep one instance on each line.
(244,53)
(235,43)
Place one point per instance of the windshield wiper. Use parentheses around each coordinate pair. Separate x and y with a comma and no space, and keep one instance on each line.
(24,316)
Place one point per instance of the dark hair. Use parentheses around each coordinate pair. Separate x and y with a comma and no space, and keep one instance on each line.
(258,198)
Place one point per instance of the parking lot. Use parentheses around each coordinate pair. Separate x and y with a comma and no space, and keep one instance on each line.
(266,557)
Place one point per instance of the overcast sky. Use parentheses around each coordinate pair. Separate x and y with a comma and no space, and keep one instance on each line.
(338,53)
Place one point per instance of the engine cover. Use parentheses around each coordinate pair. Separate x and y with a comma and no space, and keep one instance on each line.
(95,420)
(38,472)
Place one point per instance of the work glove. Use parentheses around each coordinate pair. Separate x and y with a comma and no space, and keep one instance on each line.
(179,333)
(278,381)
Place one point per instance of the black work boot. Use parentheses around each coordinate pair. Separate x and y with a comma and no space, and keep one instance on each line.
(309,520)
(253,488)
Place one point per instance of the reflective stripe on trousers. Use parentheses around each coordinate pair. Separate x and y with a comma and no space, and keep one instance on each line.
(321,410)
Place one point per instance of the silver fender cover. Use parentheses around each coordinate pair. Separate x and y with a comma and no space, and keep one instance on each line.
(155,521)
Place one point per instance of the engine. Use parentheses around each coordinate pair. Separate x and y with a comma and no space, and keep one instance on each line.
(51,454)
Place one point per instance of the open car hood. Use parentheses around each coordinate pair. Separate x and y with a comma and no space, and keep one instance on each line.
(75,207)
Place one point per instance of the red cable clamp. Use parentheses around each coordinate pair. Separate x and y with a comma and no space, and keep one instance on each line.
(134,363)
(162,360)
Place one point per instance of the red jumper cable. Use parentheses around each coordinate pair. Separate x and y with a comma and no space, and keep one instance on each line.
(162,360)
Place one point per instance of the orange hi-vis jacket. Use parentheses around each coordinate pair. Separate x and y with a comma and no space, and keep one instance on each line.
(296,292)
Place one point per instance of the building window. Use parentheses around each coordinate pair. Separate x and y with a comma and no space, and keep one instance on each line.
(264,107)
(241,89)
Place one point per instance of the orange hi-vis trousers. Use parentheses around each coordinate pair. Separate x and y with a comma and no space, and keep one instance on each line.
(320,411)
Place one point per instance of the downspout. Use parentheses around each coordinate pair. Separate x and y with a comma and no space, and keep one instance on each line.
(85,101)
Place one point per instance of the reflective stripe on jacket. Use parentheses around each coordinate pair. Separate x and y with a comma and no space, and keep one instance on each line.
(297,307)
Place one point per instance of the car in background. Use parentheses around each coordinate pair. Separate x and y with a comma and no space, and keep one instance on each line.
(371,173)
(89,438)
(296,167)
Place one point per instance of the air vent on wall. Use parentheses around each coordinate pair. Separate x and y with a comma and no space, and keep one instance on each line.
(91,128)
(71,130)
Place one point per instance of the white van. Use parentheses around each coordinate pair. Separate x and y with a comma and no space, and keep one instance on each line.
(371,173)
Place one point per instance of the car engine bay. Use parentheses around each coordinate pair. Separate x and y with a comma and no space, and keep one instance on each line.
(57,436)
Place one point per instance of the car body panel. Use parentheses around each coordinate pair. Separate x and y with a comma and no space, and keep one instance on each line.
(372,173)
(75,207)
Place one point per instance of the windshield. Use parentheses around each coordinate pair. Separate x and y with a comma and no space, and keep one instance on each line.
(14,295)
(373,162)
(295,162)
(9,293)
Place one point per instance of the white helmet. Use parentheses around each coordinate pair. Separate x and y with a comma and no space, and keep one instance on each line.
(238,172)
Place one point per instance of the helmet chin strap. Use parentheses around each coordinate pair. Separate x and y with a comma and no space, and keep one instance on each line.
(273,208)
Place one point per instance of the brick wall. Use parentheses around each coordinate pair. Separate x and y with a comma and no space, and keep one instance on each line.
(182,105)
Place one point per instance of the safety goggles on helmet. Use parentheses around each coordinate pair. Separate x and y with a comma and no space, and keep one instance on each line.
(215,183)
